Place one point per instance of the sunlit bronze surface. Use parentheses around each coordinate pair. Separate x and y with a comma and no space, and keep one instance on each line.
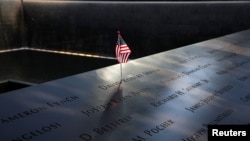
(171,95)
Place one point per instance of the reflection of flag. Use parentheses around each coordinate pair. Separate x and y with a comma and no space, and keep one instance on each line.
(122,50)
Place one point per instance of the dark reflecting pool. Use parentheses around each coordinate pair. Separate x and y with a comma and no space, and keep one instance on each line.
(38,67)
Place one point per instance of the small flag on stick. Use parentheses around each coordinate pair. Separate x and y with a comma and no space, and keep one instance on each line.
(122,51)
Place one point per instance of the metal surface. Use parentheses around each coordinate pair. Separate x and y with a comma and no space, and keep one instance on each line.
(11,24)
(171,95)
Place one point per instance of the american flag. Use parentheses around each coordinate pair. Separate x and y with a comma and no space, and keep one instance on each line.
(122,50)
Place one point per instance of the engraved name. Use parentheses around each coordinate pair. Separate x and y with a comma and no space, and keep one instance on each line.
(129,79)
(200,67)
(171,79)
(112,125)
(244,78)
(38,132)
(208,99)
(103,129)
(159,128)
(23,114)
(203,130)
(196,135)
(154,130)
(245,98)
(220,117)
(62,101)
(166,99)
(36,110)
(231,68)
(114,101)
(196,85)
(189,59)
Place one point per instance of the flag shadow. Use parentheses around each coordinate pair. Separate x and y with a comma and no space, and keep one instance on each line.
(114,108)
(114,104)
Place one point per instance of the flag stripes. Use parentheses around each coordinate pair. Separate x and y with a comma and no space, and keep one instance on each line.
(122,50)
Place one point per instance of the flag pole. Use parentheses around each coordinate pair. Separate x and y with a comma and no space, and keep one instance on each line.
(122,51)
(120,59)
(121,70)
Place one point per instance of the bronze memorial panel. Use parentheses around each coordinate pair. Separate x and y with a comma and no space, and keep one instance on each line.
(171,95)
